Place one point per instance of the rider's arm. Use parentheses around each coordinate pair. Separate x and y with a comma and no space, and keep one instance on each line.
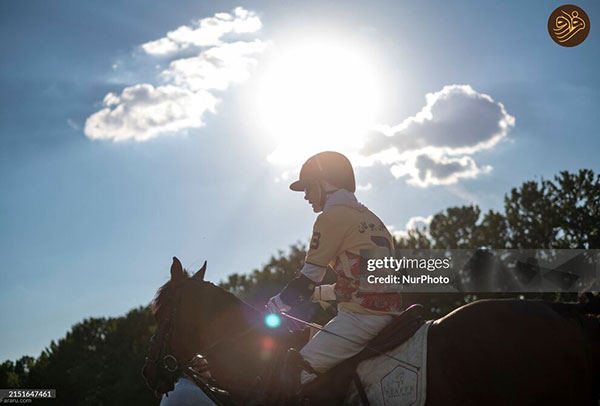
(315,273)
(328,234)
(324,293)
(300,289)
(327,237)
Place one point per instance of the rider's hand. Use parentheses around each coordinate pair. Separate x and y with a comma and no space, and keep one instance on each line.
(276,305)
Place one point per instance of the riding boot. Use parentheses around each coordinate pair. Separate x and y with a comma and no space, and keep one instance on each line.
(292,368)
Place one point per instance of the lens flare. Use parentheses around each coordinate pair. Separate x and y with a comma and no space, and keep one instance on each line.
(272,320)
(268,343)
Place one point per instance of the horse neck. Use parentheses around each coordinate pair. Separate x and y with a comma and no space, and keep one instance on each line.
(242,352)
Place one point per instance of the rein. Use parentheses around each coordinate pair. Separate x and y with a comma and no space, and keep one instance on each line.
(162,368)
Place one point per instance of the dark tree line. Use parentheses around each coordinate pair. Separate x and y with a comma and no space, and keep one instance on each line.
(98,362)
(562,213)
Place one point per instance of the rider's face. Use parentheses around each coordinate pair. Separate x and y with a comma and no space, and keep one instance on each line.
(312,193)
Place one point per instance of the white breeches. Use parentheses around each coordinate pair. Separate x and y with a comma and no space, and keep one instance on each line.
(324,350)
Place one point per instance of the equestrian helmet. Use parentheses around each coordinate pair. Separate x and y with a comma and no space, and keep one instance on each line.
(330,166)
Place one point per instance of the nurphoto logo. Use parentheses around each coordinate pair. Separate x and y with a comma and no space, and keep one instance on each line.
(568,25)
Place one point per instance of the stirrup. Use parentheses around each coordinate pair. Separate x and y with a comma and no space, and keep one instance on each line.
(293,365)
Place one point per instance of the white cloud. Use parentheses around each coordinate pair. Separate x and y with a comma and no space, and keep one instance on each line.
(396,233)
(111,99)
(364,188)
(205,32)
(424,170)
(215,68)
(144,111)
(161,46)
(416,222)
(455,121)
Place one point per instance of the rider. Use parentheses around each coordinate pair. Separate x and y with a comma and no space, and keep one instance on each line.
(343,228)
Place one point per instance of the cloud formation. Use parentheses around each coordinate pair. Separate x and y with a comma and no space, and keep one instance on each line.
(186,89)
(215,68)
(424,169)
(416,222)
(142,112)
(364,188)
(205,32)
(434,146)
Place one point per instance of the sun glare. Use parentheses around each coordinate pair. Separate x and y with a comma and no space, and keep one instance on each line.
(317,96)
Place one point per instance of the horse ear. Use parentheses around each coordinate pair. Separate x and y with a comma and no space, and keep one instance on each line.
(200,274)
(176,269)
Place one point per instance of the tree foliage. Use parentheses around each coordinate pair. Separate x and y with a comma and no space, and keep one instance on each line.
(547,214)
(98,362)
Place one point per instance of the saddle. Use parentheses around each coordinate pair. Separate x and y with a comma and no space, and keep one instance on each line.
(331,387)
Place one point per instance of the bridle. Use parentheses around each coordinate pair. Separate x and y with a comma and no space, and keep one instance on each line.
(162,368)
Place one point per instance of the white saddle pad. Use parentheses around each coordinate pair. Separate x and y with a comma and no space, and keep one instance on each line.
(396,382)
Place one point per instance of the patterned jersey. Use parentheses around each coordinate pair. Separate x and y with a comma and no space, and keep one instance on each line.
(339,234)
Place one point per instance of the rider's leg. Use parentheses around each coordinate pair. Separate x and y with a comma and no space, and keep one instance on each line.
(324,350)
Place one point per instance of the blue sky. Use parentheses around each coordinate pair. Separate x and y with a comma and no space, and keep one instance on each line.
(216,117)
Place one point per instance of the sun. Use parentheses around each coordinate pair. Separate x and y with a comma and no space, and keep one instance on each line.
(317,96)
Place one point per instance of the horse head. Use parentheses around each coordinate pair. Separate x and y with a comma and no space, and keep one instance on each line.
(196,317)
(182,314)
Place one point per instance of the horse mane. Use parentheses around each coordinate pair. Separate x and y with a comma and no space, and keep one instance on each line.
(166,293)
(226,298)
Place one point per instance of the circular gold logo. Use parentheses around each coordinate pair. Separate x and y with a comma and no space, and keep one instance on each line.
(568,25)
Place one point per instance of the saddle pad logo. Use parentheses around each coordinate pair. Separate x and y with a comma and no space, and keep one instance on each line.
(399,387)
(568,25)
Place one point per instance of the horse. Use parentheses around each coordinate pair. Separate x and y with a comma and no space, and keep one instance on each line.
(487,352)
